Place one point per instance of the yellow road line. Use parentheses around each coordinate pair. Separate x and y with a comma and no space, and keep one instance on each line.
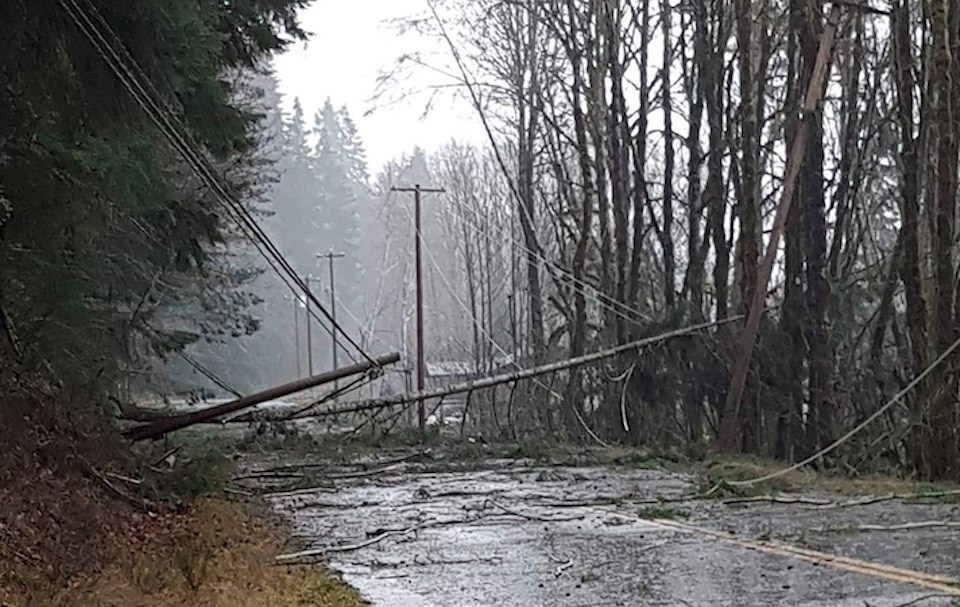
(940,583)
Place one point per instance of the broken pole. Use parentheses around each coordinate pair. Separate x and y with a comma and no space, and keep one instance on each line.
(496,380)
(160,427)
(728,437)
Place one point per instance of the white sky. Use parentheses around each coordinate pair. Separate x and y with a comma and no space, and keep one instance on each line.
(351,43)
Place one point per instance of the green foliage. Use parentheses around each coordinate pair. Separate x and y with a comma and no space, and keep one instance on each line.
(932,493)
(539,451)
(200,470)
(110,251)
(722,470)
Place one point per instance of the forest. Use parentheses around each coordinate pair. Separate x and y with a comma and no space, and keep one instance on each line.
(648,165)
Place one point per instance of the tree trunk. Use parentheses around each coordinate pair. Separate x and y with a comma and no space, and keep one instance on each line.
(669,262)
(639,159)
(619,162)
(938,440)
(817,294)
(748,212)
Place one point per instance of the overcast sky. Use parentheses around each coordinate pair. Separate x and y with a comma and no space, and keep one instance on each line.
(351,43)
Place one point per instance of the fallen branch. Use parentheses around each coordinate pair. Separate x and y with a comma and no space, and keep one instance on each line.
(532,517)
(296,492)
(385,534)
(921,599)
(562,567)
(422,493)
(169,453)
(240,492)
(900,527)
(612,501)
(126,479)
(894,496)
(417,561)
(131,499)
(283,558)
(776,499)
(364,473)
(308,465)
(267,476)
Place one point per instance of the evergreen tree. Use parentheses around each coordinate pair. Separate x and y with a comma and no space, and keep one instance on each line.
(340,169)
(335,172)
(295,198)
(111,250)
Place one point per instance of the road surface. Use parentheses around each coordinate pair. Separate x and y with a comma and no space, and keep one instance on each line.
(522,535)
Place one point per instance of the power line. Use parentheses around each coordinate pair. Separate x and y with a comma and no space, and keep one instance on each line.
(168,122)
(491,381)
(510,358)
(207,373)
(856,430)
(194,362)
(182,140)
(593,293)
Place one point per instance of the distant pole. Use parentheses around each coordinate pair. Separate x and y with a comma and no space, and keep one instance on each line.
(296,332)
(333,305)
(309,337)
(417,191)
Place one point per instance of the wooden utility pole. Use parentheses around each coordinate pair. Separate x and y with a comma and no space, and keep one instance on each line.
(417,191)
(333,303)
(162,426)
(521,374)
(296,331)
(728,437)
(306,286)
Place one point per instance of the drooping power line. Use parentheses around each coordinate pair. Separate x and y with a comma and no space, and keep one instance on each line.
(145,94)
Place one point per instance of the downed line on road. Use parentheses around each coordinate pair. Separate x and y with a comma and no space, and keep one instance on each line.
(931,581)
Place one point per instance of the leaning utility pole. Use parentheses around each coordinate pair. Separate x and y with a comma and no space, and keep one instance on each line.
(333,305)
(417,191)
(728,436)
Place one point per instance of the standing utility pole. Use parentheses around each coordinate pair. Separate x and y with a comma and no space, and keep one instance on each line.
(417,191)
(296,331)
(333,305)
(309,338)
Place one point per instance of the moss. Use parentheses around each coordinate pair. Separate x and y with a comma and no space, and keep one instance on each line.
(721,472)
(663,512)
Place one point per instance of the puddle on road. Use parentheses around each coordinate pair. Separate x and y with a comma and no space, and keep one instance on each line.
(517,537)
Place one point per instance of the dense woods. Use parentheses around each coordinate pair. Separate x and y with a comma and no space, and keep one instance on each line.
(644,148)
(636,157)
(111,251)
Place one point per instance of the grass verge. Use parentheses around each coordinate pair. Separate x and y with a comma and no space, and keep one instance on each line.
(718,472)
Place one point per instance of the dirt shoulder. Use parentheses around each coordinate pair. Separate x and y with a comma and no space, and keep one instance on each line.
(215,553)
(68,537)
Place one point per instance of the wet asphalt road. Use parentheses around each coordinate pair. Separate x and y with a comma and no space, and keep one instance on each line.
(533,536)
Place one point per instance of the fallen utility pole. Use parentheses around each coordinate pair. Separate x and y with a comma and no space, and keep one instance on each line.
(496,380)
(727,438)
(160,427)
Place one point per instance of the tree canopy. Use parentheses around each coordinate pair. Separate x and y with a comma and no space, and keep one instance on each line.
(110,248)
